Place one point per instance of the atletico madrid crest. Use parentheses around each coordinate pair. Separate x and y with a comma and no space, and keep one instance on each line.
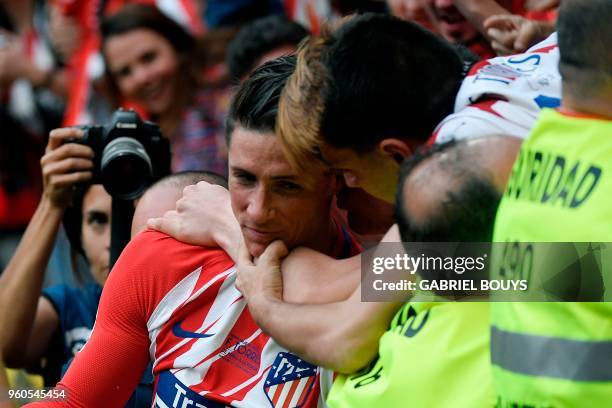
(289,381)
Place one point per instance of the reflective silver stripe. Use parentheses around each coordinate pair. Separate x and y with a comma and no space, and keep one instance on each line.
(554,357)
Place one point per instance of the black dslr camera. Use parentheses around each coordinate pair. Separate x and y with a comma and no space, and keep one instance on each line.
(129,154)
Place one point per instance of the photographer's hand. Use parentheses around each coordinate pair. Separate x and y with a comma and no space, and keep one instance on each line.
(64,165)
(203,216)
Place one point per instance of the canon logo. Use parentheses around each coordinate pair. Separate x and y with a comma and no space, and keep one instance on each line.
(126,125)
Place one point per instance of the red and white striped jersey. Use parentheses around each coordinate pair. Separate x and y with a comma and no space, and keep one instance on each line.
(176,305)
(212,353)
(504,95)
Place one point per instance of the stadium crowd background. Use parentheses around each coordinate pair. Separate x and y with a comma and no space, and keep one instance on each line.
(65,63)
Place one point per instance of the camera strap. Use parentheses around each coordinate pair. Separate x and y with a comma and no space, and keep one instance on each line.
(123,212)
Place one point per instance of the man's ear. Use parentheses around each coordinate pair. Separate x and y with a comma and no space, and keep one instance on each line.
(396,149)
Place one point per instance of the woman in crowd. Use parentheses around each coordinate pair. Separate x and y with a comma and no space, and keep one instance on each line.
(149,61)
(44,329)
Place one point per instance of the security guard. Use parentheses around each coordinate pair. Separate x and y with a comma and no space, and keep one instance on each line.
(560,354)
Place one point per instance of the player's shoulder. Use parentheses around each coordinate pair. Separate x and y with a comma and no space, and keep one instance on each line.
(149,236)
(155,242)
(158,250)
(153,264)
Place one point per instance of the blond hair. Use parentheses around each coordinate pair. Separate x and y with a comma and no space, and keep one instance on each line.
(301,105)
(302,101)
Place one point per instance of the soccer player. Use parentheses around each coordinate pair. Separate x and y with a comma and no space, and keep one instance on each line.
(176,304)
(330,106)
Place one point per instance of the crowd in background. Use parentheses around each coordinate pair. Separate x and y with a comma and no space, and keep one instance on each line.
(55,70)
(179,64)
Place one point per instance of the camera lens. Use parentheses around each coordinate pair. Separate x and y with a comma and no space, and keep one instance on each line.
(126,168)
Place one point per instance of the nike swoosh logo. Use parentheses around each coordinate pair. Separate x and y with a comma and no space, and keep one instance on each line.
(178,331)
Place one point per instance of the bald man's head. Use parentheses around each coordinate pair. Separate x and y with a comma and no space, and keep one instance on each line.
(163,195)
(450,192)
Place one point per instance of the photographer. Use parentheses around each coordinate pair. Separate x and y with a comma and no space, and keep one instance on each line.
(27,318)
(52,325)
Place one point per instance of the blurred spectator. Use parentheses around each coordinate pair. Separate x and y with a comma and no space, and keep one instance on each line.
(347,7)
(309,13)
(64,32)
(26,57)
(477,11)
(19,182)
(542,10)
(87,93)
(512,34)
(451,23)
(312,14)
(463,21)
(210,54)
(223,13)
(410,10)
(532,22)
(73,32)
(260,41)
(149,61)
(31,88)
